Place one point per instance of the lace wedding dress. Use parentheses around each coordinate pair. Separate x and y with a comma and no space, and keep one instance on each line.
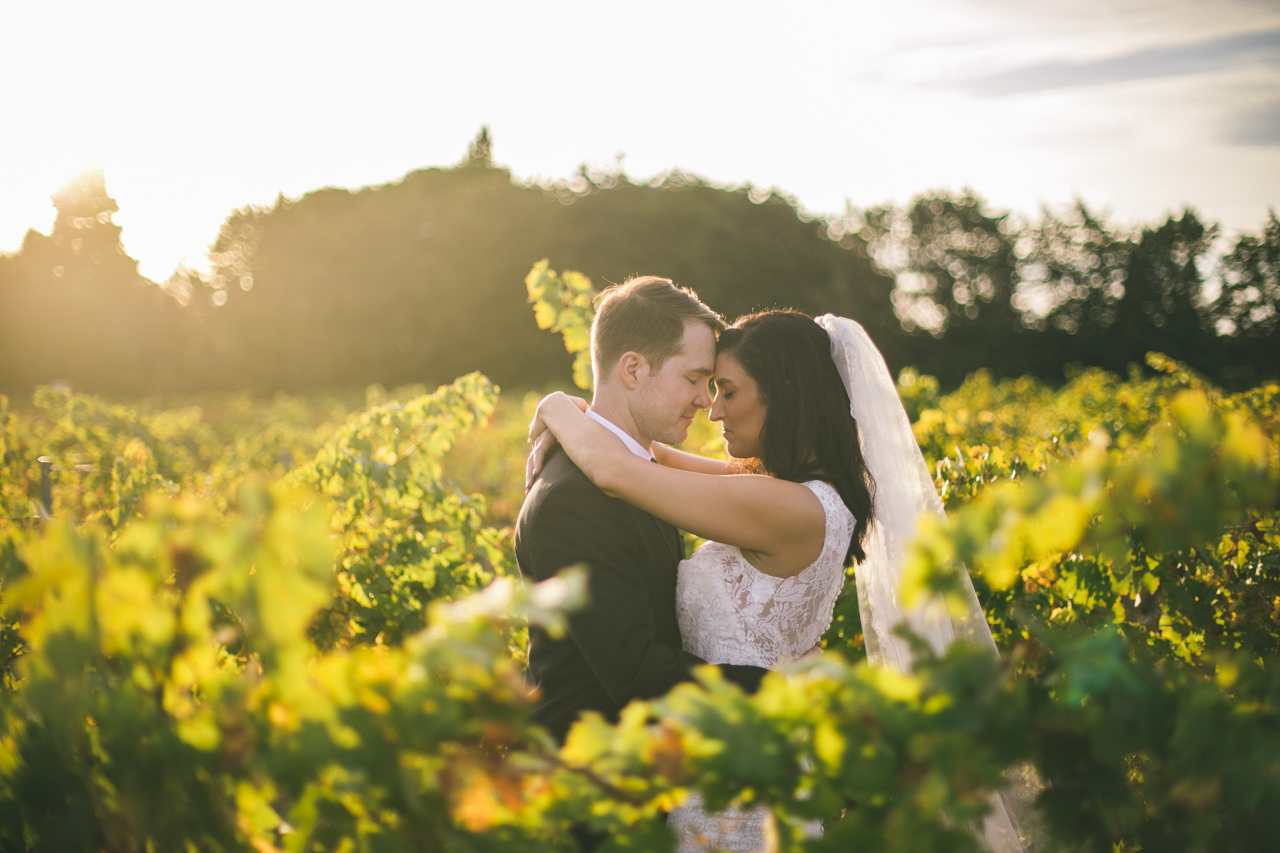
(731,612)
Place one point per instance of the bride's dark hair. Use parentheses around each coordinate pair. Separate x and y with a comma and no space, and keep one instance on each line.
(808,433)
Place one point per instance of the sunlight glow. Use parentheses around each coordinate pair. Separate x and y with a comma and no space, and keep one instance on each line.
(194,110)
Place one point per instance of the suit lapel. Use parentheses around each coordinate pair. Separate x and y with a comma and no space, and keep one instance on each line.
(671,537)
(658,531)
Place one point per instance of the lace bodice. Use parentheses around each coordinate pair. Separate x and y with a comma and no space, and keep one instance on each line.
(731,612)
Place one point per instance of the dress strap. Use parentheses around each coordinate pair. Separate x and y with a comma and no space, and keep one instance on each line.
(839,521)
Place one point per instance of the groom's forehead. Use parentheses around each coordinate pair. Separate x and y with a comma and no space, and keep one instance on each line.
(699,344)
(687,361)
(697,357)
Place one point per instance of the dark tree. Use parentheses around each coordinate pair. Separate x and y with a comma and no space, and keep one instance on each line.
(957,279)
(76,309)
(1163,307)
(1248,306)
(421,280)
(1073,272)
(1246,311)
(741,249)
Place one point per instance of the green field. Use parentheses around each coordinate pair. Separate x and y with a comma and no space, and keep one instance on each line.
(291,624)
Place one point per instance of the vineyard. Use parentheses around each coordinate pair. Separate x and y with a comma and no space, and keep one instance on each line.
(296,624)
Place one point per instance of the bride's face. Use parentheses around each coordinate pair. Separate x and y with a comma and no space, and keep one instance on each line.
(739,409)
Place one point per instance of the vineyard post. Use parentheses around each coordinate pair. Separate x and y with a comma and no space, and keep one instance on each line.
(46,486)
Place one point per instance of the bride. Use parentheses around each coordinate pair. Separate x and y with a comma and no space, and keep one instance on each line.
(813,424)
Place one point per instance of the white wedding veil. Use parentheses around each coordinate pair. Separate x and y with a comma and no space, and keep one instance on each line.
(904,493)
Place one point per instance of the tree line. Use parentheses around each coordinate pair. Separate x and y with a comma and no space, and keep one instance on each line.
(422,280)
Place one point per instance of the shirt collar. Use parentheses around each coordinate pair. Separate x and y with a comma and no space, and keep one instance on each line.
(634,446)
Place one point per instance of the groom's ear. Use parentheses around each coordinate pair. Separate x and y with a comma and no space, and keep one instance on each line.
(632,366)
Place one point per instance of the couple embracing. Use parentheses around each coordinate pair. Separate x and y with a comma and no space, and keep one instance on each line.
(824,473)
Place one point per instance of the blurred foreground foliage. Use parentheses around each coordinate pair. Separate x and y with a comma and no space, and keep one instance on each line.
(291,625)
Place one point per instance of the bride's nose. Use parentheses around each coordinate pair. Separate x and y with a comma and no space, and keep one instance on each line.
(716,413)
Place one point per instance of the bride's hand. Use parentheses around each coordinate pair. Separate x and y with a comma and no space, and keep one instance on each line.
(541,438)
(537,455)
(539,423)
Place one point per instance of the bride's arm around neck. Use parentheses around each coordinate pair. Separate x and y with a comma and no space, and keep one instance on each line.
(779,523)
(673,457)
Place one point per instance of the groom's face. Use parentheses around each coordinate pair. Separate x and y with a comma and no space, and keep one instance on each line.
(666,400)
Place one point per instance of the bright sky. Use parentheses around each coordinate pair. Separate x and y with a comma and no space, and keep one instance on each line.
(193,109)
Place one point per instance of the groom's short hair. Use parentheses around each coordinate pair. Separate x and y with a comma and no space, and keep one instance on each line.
(644,314)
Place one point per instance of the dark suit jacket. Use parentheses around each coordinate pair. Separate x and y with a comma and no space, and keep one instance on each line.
(625,644)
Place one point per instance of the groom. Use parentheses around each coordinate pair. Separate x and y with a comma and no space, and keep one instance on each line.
(653,350)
